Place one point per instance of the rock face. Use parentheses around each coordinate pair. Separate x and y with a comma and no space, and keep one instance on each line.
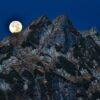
(49,60)
(93,33)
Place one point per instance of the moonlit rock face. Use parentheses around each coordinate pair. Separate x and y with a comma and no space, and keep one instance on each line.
(15,27)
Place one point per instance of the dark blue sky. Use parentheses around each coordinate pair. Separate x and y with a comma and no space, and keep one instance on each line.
(83,13)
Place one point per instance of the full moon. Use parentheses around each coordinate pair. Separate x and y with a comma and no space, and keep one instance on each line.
(15,27)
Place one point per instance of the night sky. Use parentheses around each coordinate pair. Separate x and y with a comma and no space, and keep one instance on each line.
(83,13)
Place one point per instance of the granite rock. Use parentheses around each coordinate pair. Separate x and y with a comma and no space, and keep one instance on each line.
(49,60)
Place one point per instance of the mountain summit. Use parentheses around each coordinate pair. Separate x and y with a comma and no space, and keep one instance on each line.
(49,60)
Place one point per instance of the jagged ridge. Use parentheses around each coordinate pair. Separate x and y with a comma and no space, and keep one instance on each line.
(49,60)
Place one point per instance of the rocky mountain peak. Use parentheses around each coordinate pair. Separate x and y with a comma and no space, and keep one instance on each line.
(49,60)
